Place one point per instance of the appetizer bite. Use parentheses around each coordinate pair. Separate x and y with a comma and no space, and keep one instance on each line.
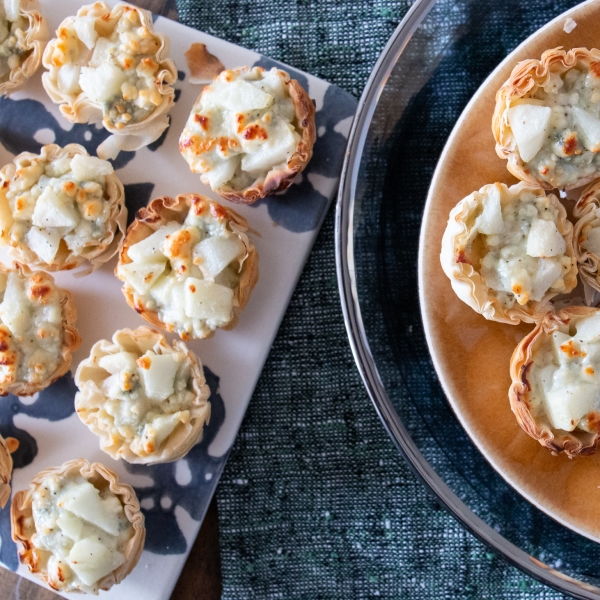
(587,235)
(78,527)
(147,401)
(110,65)
(187,265)
(7,447)
(61,209)
(547,119)
(250,133)
(37,331)
(23,34)
(555,391)
(508,251)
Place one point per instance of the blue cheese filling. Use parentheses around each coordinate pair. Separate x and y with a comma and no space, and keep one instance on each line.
(83,528)
(557,128)
(57,202)
(13,29)
(30,329)
(188,273)
(565,377)
(147,397)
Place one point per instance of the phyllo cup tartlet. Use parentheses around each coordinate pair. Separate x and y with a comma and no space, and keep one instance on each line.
(7,447)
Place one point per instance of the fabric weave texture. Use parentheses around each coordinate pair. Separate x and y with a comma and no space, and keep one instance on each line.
(315,501)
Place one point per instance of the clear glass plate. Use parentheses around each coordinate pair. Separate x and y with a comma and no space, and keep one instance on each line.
(434,63)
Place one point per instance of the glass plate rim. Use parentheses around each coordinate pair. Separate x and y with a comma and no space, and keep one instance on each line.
(345,267)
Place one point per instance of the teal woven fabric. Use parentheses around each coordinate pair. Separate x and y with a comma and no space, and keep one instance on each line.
(315,501)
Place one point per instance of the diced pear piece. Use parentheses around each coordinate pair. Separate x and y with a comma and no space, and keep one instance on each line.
(207,300)
(70,525)
(159,376)
(156,433)
(544,239)
(142,276)
(567,405)
(548,271)
(111,386)
(239,96)
(84,501)
(12,9)
(588,329)
(219,175)
(103,83)
(529,124)
(114,363)
(91,560)
(68,79)
(44,242)
(592,241)
(52,211)
(86,32)
(90,168)
(213,254)
(490,221)
(13,310)
(276,150)
(588,126)
(150,248)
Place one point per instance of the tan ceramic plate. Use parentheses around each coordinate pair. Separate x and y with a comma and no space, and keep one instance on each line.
(471,354)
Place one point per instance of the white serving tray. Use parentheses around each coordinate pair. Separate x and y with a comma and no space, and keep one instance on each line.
(174,496)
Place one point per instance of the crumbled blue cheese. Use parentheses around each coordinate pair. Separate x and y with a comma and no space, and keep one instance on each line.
(13,28)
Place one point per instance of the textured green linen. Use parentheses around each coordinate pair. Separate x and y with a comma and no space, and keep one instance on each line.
(315,501)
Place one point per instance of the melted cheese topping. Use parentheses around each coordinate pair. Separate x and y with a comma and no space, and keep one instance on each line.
(57,202)
(147,397)
(557,128)
(242,126)
(565,377)
(188,273)
(117,71)
(30,329)
(525,255)
(84,529)
(13,29)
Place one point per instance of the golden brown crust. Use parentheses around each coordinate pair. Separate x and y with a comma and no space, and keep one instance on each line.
(458,261)
(162,210)
(71,338)
(7,447)
(96,253)
(78,108)
(278,180)
(538,426)
(90,398)
(525,79)
(585,213)
(23,526)
(35,41)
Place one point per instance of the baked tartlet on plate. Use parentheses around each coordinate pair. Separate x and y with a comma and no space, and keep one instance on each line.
(111,65)
(508,250)
(147,401)
(61,209)
(547,119)
(250,133)
(555,391)
(187,265)
(23,34)
(7,447)
(37,331)
(78,527)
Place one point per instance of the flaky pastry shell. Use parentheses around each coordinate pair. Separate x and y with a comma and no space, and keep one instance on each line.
(585,213)
(97,252)
(162,210)
(461,266)
(78,108)
(90,398)
(71,338)
(23,526)
(538,426)
(36,37)
(525,79)
(276,180)
(7,447)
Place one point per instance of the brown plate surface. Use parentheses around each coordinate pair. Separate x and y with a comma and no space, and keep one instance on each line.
(471,354)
